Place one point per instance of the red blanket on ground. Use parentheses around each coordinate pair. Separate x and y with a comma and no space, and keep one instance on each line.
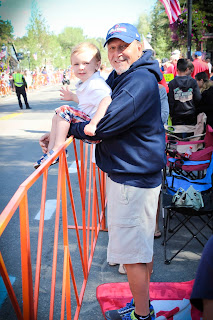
(170,299)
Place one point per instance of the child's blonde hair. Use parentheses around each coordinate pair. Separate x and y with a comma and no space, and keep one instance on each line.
(81,47)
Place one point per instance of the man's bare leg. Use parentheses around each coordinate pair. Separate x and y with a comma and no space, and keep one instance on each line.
(139,278)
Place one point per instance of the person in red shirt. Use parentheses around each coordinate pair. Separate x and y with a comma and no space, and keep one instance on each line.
(163,82)
(199,65)
(173,66)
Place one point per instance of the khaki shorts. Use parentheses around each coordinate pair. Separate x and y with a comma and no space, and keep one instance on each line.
(131,216)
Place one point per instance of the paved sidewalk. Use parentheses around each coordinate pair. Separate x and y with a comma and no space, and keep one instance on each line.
(182,268)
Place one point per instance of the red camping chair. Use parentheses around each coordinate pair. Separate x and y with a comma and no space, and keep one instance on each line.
(195,166)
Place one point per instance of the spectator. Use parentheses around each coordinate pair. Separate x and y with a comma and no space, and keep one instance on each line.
(163,63)
(184,96)
(208,61)
(132,153)
(199,65)
(11,81)
(164,103)
(190,68)
(206,102)
(176,52)
(173,66)
(103,71)
(28,78)
(44,71)
(164,117)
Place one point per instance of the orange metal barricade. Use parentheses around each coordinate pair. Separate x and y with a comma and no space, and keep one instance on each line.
(92,193)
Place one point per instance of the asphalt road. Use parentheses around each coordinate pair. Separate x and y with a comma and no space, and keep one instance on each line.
(19,134)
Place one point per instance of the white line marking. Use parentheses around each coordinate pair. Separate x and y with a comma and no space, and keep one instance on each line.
(73,167)
(50,207)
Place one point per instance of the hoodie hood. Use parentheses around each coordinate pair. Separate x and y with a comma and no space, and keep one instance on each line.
(146,62)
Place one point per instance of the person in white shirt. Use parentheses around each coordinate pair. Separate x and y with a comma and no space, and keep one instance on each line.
(93,96)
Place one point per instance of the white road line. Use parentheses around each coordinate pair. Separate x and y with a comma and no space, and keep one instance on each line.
(50,207)
(73,167)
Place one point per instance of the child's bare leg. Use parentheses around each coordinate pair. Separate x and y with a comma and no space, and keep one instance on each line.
(53,132)
(60,131)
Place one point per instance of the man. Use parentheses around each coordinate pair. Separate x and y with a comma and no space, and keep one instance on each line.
(20,85)
(173,66)
(199,65)
(184,96)
(132,154)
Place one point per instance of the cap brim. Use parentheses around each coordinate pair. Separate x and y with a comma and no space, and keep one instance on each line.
(121,37)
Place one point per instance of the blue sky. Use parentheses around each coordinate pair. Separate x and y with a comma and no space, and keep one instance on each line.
(95,17)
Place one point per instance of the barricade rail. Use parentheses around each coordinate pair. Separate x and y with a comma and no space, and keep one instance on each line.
(92,193)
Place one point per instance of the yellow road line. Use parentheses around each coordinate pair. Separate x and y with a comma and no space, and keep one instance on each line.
(9,116)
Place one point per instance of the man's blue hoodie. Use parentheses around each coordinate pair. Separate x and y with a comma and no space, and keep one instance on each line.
(132,150)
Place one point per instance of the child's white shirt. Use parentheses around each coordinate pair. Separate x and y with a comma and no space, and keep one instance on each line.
(91,92)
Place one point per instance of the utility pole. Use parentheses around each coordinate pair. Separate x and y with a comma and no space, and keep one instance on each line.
(189,28)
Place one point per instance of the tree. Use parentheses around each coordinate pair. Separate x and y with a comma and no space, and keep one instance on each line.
(6,32)
(143,24)
(161,33)
(37,36)
(39,45)
(68,39)
(201,23)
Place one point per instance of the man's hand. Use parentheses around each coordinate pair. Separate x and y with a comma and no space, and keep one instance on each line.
(90,129)
(44,141)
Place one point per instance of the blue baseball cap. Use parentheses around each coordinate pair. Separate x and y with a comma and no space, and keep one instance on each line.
(198,53)
(124,31)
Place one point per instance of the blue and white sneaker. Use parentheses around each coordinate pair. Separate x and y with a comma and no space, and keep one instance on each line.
(126,311)
(131,316)
(120,313)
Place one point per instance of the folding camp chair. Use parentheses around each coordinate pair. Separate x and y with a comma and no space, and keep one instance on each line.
(195,166)
(199,224)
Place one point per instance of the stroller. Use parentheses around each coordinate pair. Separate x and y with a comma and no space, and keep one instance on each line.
(187,196)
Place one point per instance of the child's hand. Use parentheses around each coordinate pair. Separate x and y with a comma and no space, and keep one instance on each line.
(66,94)
(44,142)
(90,129)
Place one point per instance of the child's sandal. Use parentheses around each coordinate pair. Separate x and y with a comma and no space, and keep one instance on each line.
(39,162)
(42,159)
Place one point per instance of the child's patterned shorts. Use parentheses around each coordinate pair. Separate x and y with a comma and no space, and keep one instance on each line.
(72,115)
